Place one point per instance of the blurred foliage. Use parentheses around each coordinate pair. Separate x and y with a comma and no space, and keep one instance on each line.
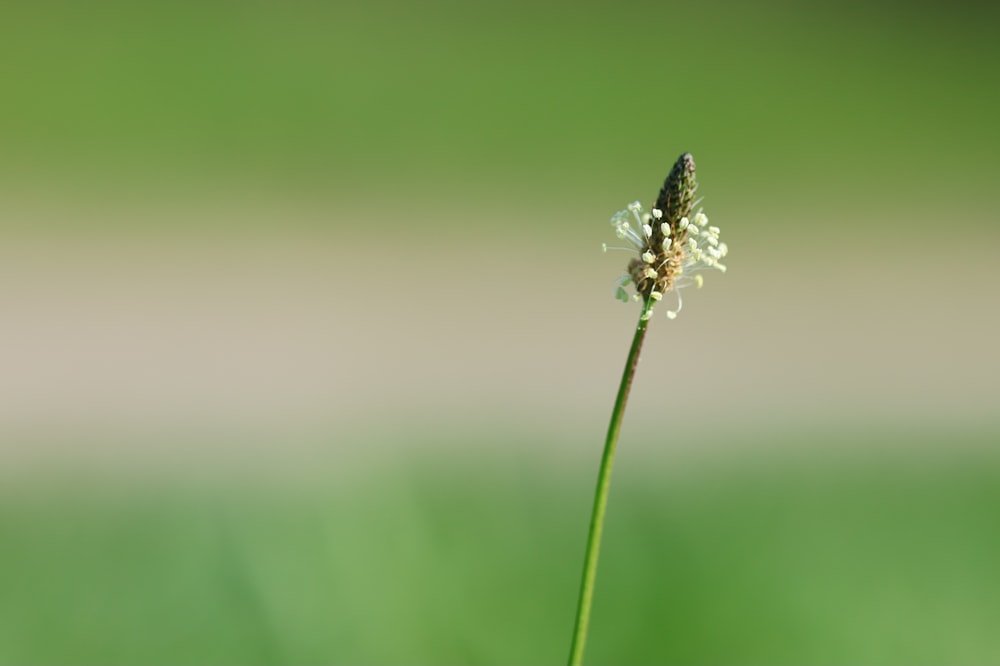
(844,106)
(869,558)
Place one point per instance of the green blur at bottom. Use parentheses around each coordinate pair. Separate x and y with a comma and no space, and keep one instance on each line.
(868,561)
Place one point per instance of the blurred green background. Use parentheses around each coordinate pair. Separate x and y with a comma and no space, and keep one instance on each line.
(309,346)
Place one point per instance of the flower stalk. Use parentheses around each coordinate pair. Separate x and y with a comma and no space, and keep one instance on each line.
(671,248)
(601,497)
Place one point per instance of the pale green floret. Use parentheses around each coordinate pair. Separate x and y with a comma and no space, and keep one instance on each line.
(657,213)
(648,257)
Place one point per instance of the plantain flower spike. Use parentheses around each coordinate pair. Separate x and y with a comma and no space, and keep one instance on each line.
(672,246)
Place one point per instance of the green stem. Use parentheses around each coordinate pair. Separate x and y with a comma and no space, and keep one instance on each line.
(601,496)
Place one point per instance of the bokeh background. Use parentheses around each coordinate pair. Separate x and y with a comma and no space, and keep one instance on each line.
(308,344)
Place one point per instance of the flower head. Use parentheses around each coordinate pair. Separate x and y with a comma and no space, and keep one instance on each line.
(672,245)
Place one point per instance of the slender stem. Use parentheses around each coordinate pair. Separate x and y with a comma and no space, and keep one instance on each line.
(601,496)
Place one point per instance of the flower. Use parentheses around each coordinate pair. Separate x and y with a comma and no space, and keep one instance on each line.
(672,245)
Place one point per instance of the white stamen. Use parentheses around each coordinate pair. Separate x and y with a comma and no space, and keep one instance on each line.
(701,249)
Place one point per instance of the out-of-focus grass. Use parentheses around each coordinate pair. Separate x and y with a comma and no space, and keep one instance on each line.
(843,106)
(888,559)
